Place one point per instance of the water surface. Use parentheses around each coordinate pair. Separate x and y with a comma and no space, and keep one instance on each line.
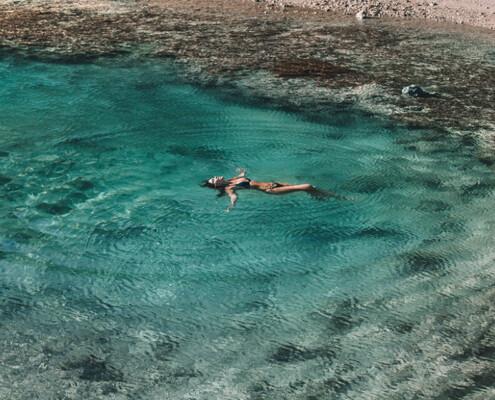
(121,277)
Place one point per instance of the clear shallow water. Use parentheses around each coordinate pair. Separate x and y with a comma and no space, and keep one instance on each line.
(120,277)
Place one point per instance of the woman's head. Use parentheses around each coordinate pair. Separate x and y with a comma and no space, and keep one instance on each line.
(216,182)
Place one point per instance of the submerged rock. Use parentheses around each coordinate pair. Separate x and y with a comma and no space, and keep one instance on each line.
(417,91)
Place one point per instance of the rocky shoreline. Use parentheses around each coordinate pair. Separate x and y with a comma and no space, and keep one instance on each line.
(310,62)
(471,12)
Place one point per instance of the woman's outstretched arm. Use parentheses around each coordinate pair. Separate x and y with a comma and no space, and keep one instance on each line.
(233,198)
(241,173)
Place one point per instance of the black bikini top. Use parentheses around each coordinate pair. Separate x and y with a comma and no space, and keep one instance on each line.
(244,184)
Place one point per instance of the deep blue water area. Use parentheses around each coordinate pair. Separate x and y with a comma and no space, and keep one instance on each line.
(121,277)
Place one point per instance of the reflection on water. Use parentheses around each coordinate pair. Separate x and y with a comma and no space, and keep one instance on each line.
(121,277)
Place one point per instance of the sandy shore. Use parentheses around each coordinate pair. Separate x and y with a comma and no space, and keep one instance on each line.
(471,12)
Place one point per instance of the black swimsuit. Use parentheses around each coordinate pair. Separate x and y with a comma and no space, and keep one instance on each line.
(244,184)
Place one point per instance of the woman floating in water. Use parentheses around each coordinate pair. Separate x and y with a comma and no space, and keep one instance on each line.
(230,186)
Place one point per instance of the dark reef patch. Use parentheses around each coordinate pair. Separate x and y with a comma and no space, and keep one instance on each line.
(321,234)
(314,68)
(58,208)
(76,198)
(290,353)
(343,317)
(478,189)
(261,390)
(400,325)
(81,184)
(426,180)
(376,232)
(368,184)
(94,369)
(337,385)
(13,306)
(4,180)
(108,231)
(433,206)
(419,262)
(164,348)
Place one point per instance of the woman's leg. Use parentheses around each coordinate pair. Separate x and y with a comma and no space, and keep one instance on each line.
(306,187)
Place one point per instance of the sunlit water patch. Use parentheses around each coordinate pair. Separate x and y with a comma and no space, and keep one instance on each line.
(121,277)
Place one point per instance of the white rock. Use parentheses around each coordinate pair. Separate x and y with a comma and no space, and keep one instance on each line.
(361,15)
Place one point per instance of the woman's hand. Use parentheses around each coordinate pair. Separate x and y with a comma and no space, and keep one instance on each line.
(241,172)
(233,198)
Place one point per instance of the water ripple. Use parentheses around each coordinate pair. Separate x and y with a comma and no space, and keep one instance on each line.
(122,276)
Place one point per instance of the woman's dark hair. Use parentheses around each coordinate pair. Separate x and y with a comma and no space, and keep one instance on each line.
(221,190)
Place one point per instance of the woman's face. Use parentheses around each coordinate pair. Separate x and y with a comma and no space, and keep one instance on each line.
(217,181)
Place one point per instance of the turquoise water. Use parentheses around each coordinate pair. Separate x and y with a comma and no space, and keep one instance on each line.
(121,277)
